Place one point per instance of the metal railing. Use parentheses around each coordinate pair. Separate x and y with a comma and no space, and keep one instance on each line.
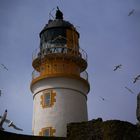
(36,74)
(59,49)
(84,75)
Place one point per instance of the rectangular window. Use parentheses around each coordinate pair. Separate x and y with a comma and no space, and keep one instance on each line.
(47,132)
(48,99)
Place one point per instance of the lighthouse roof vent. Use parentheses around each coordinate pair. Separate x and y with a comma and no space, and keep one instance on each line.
(58,21)
(59,14)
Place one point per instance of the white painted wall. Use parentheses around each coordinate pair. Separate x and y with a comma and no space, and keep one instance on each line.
(70,105)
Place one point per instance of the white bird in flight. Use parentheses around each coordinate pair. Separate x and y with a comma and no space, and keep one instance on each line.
(2,119)
(10,123)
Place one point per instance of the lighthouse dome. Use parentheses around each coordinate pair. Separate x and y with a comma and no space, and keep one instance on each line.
(58,22)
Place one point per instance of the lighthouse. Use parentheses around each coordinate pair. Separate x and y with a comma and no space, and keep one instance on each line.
(59,81)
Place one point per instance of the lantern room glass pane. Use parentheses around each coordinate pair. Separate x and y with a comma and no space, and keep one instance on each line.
(52,34)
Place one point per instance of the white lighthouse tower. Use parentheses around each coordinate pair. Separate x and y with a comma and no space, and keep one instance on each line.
(59,80)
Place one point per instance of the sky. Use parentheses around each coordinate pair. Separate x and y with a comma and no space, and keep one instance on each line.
(108,35)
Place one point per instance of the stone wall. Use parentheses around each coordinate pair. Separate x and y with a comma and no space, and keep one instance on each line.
(99,130)
(91,130)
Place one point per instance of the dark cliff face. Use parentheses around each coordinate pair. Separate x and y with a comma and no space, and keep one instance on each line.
(91,130)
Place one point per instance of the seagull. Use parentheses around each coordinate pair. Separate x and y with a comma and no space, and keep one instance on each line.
(10,123)
(117,67)
(136,78)
(129,90)
(2,119)
(4,67)
(0,92)
(102,98)
(131,12)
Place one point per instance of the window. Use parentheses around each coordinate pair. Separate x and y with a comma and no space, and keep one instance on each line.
(51,34)
(47,131)
(48,98)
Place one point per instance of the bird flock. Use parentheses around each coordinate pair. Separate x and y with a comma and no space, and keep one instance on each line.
(135,79)
(120,66)
(3,118)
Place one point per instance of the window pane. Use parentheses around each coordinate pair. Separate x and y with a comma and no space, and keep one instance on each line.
(46,132)
(48,99)
(48,96)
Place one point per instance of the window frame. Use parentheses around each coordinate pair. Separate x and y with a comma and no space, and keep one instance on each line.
(51,131)
(52,99)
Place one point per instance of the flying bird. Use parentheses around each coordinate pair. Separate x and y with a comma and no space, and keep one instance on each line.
(4,67)
(102,98)
(10,123)
(0,92)
(117,67)
(2,119)
(131,12)
(136,78)
(129,90)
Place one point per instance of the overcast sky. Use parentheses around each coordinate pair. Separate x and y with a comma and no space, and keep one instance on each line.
(108,35)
